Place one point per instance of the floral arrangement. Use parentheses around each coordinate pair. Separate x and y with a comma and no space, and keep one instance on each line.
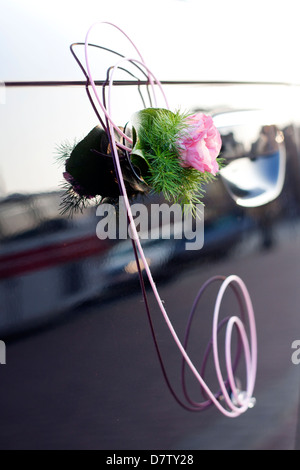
(172,153)
(175,154)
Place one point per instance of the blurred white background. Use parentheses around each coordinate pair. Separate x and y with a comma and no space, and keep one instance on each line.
(180,39)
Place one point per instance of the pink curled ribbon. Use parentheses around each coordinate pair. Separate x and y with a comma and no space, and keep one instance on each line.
(230,401)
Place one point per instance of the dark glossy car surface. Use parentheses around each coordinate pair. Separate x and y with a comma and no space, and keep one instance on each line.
(81,369)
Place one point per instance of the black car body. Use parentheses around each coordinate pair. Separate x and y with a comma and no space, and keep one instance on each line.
(81,369)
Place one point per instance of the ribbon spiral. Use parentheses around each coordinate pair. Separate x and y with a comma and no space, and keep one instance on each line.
(233,402)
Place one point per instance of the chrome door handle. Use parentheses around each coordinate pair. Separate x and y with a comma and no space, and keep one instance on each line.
(255,157)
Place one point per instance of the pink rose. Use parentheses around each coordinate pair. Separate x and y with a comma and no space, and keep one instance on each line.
(201,144)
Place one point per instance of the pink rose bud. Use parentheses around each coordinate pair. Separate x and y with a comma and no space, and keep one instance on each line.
(201,144)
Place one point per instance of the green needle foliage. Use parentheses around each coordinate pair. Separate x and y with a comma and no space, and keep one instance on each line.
(64,150)
(156,133)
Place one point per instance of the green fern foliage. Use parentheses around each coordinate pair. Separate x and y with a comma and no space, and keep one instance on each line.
(156,133)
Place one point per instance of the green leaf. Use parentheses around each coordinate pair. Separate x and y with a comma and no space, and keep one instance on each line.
(138,151)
